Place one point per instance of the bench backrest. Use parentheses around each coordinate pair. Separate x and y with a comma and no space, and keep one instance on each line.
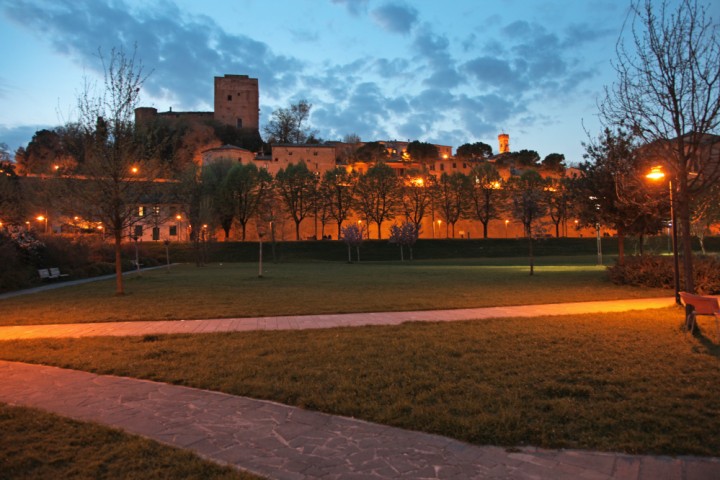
(54,272)
(702,305)
(44,273)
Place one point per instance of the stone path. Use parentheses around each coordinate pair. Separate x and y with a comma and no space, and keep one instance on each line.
(282,442)
(323,321)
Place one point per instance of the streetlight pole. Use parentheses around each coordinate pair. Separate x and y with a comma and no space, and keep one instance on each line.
(656,173)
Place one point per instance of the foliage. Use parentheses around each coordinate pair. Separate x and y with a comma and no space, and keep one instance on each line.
(352,236)
(337,189)
(287,125)
(296,185)
(422,151)
(474,151)
(452,197)
(522,158)
(554,162)
(378,195)
(557,198)
(417,195)
(219,193)
(371,152)
(528,205)
(486,183)
(404,235)
(12,204)
(247,185)
(668,94)
(657,272)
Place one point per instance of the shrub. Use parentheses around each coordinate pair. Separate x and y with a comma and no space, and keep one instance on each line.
(657,272)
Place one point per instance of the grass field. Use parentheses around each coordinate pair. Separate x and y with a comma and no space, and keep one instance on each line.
(36,445)
(234,290)
(628,382)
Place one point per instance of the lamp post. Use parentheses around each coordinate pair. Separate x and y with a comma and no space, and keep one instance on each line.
(43,218)
(506,225)
(261,233)
(656,173)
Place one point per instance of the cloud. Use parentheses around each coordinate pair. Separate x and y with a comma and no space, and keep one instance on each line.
(16,137)
(355,7)
(395,17)
(183,51)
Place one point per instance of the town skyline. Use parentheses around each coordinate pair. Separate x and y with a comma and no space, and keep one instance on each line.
(381,70)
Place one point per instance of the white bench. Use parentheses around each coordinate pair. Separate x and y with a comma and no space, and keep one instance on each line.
(50,273)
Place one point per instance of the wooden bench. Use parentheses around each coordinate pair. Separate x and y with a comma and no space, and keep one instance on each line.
(699,305)
(55,273)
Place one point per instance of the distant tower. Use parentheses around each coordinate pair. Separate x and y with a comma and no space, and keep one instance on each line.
(504,141)
(237,101)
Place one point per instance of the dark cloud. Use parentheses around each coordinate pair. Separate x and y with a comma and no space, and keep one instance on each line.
(184,52)
(395,17)
(16,137)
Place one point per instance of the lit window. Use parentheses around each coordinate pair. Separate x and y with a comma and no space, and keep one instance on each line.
(156,210)
(141,211)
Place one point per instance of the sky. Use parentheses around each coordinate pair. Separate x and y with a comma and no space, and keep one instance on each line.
(447,72)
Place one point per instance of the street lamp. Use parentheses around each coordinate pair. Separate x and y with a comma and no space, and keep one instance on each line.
(506,225)
(43,218)
(656,173)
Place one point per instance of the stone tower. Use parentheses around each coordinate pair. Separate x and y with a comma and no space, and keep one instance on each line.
(504,141)
(237,101)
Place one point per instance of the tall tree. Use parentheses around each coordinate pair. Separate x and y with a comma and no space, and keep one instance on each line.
(526,197)
(452,195)
(378,195)
(338,190)
(486,184)
(219,193)
(111,179)
(418,190)
(668,93)
(372,152)
(611,190)
(248,186)
(557,199)
(296,186)
(289,125)
(554,162)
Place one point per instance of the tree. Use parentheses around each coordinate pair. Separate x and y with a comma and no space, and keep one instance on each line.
(11,194)
(668,94)
(378,195)
(296,186)
(486,185)
(372,152)
(287,125)
(557,199)
(338,190)
(352,236)
(452,194)
(527,206)
(247,185)
(612,190)
(219,193)
(422,151)
(554,162)
(110,179)
(474,151)
(402,235)
(417,195)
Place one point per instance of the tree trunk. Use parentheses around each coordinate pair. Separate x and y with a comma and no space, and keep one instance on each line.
(119,287)
(402,255)
(532,256)
(349,254)
(683,215)
(379,224)
(485,229)
(297,230)
(621,246)
(357,250)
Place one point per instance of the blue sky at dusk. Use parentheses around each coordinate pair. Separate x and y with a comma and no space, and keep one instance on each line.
(447,72)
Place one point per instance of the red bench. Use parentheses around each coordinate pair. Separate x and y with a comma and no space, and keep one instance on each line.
(700,305)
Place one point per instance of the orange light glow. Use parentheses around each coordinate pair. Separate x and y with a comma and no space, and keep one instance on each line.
(40,218)
(656,173)
(417,182)
(134,169)
(179,217)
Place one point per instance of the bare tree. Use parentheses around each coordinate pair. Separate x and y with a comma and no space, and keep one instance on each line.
(527,204)
(296,185)
(452,195)
(378,195)
(486,187)
(288,125)
(668,94)
(338,190)
(111,179)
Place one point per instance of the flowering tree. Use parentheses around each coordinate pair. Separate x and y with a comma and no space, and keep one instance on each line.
(352,235)
(405,234)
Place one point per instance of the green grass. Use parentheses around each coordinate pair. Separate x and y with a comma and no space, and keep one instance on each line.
(629,382)
(35,444)
(234,290)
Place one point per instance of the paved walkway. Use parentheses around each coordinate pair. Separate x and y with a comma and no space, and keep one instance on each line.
(298,322)
(283,442)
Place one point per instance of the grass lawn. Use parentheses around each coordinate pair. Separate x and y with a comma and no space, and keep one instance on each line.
(234,290)
(36,445)
(628,382)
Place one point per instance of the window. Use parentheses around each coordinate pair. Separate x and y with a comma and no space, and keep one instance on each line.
(173,230)
(138,230)
(156,210)
(156,233)
(454,165)
(238,124)
(141,211)
(229,98)
(442,166)
(315,153)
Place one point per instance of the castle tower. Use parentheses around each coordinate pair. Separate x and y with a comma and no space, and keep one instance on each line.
(504,141)
(237,101)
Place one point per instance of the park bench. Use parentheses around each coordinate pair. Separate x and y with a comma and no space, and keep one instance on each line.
(50,273)
(700,305)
